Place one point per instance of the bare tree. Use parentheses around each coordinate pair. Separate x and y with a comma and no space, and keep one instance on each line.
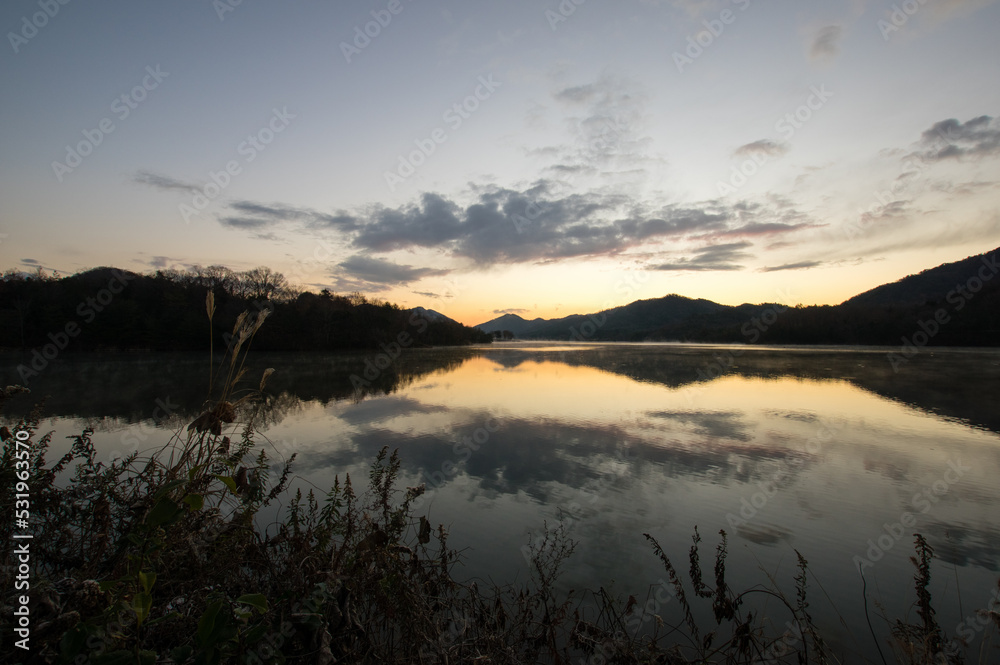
(216,277)
(262,283)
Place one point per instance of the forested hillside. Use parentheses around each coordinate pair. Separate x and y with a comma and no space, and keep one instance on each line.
(106,309)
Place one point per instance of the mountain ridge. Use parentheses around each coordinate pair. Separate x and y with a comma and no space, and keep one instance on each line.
(881,315)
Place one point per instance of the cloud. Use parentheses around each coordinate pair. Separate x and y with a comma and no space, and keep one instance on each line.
(30,262)
(801,265)
(164,182)
(946,9)
(765,229)
(158,262)
(380,271)
(258,215)
(430,224)
(270,237)
(693,8)
(512,310)
(577,94)
(891,210)
(428,294)
(245,222)
(826,42)
(951,139)
(161,262)
(504,226)
(763,147)
(711,258)
(531,225)
(602,119)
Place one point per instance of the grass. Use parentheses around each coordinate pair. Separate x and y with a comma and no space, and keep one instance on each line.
(164,558)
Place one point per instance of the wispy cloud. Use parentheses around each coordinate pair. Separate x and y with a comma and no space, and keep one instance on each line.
(765,229)
(248,223)
(801,265)
(826,42)
(164,182)
(763,147)
(711,258)
(947,9)
(250,214)
(603,121)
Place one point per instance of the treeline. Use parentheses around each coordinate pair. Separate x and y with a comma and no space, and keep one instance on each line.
(949,319)
(959,316)
(935,322)
(109,309)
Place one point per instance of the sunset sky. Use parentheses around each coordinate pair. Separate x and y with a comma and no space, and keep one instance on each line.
(476,158)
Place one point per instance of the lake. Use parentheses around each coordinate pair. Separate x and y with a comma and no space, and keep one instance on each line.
(833,452)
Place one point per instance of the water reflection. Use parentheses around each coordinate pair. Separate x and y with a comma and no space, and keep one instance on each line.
(816,450)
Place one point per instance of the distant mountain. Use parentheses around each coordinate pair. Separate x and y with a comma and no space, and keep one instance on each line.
(929,285)
(431,315)
(963,296)
(656,318)
(511,322)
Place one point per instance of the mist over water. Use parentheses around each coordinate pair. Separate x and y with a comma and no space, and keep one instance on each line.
(826,451)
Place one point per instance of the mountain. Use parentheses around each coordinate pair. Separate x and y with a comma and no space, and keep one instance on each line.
(931,284)
(958,302)
(431,315)
(655,318)
(511,322)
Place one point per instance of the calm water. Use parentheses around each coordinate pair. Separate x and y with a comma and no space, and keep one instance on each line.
(827,451)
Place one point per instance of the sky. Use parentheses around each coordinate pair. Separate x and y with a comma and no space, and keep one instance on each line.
(479,158)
